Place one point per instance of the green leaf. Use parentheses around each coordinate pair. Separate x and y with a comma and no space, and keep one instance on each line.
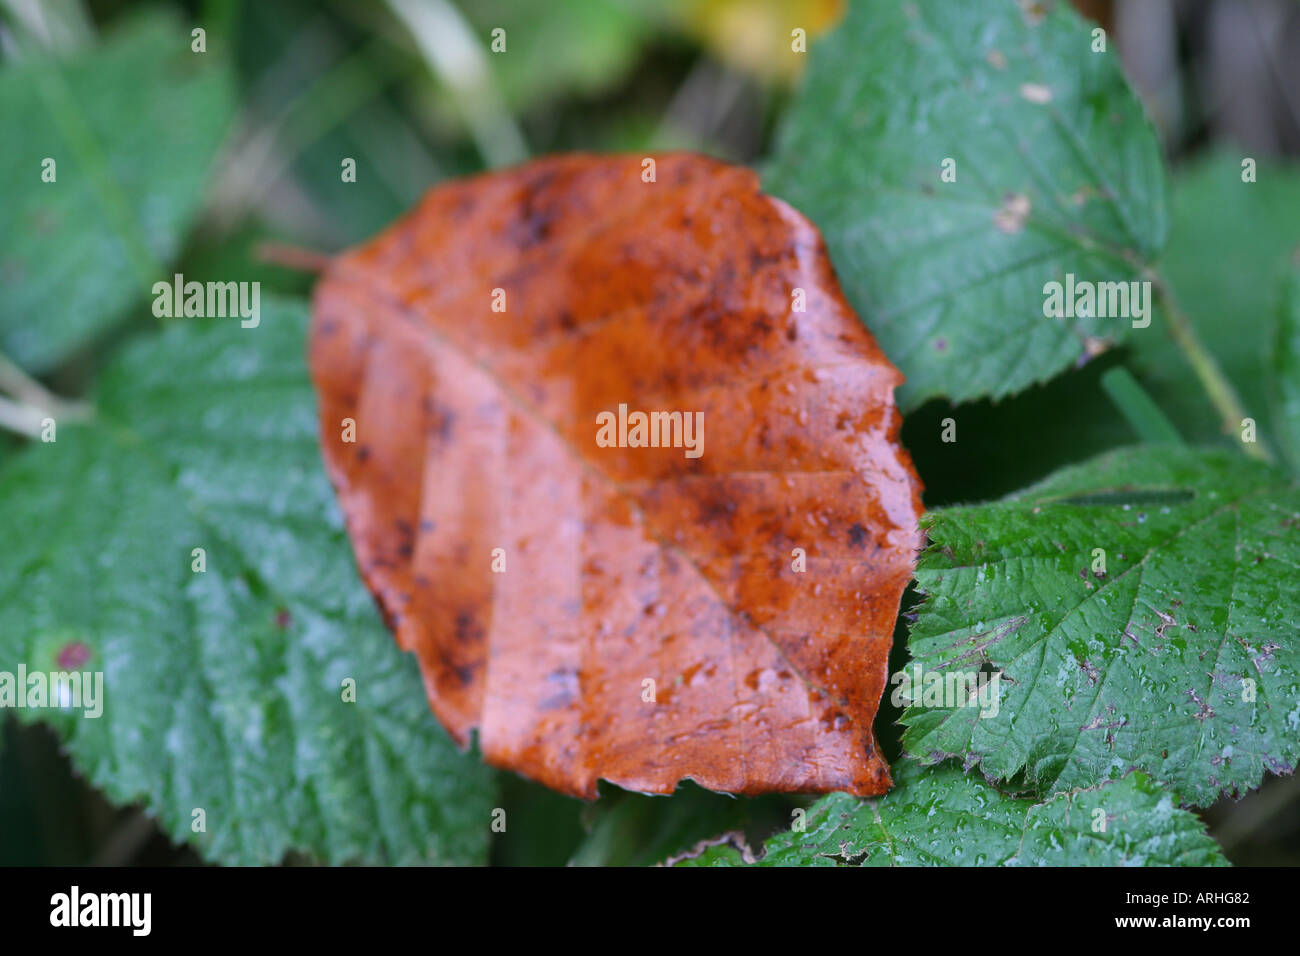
(223,689)
(943,817)
(133,129)
(1058,172)
(1176,656)
(1229,242)
(1286,368)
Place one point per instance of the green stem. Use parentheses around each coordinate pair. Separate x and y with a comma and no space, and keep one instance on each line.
(1142,414)
(1217,387)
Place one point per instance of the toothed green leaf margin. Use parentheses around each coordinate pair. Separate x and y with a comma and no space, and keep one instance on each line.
(942,817)
(223,689)
(1140,609)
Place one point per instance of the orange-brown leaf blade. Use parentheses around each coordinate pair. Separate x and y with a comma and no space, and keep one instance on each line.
(476,444)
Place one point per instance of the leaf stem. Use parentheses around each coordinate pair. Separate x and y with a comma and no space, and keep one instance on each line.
(292,257)
(454,54)
(1137,407)
(21,385)
(32,402)
(1217,387)
(20,419)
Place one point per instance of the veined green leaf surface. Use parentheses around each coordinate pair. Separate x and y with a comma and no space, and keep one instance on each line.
(1140,610)
(225,689)
(132,129)
(1057,173)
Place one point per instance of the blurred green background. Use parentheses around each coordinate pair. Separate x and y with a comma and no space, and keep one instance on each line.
(412,90)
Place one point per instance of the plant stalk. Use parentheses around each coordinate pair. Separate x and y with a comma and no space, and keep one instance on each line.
(32,402)
(1217,387)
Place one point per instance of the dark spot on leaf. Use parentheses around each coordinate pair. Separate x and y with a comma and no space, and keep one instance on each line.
(73,655)
(467,632)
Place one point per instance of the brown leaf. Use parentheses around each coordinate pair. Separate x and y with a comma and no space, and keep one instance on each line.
(477,430)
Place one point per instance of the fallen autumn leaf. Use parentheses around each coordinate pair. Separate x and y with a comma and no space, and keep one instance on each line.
(591,597)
